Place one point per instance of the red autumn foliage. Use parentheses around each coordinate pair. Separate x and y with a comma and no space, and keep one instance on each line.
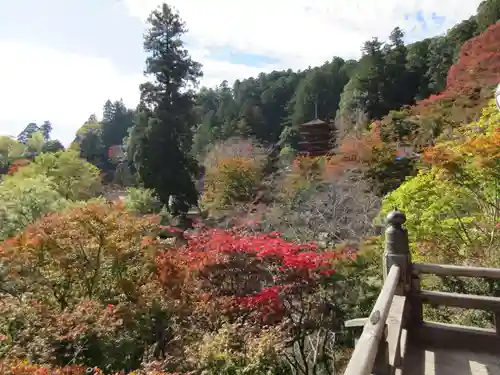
(238,270)
(214,277)
(16,164)
(436,98)
(478,64)
(365,151)
(466,94)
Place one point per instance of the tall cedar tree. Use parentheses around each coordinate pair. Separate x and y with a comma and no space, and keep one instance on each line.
(165,118)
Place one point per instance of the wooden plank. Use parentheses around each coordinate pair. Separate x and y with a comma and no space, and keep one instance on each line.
(363,357)
(466,301)
(443,361)
(449,270)
(395,322)
(358,322)
(416,311)
(404,346)
(455,337)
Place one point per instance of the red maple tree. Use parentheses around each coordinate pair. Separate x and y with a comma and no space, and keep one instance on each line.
(478,64)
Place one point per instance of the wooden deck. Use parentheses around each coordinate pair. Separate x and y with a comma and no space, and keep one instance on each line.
(397,340)
(439,361)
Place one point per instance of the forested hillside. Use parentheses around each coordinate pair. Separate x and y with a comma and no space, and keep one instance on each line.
(282,248)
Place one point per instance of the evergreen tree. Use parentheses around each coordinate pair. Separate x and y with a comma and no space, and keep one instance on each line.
(396,93)
(27,132)
(439,60)
(53,146)
(116,121)
(46,129)
(162,141)
(371,78)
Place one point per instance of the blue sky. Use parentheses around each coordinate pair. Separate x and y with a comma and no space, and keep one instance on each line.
(61,59)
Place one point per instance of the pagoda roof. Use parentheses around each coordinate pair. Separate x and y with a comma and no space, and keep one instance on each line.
(314,122)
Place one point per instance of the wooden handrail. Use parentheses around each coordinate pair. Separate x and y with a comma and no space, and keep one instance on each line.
(363,357)
(465,301)
(449,270)
(398,313)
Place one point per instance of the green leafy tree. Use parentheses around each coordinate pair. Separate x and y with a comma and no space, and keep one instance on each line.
(461,33)
(52,145)
(74,178)
(417,67)
(440,59)
(22,201)
(396,91)
(35,143)
(488,13)
(163,138)
(88,142)
(322,86)
(10,149)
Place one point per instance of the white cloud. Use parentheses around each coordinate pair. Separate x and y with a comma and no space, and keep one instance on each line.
(300,33)
(38,84)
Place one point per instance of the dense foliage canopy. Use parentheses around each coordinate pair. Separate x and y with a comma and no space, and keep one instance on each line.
(103,270)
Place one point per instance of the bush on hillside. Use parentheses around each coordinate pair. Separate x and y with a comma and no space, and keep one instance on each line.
(10,150)
(233,171)
(452,208)
(335,211)
(24,201)
(142,201)
(92,286)
(80,289)
(469,87)
(377,160)
(74,178)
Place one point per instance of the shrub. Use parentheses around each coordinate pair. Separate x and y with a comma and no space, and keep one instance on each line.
(16,165)
(335,210)
(452,208)
(81,289)
(74,178)
(91,285)
(24,201)
(233,171)
(142,201)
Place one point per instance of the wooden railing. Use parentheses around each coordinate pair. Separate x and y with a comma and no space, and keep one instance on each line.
(397,316)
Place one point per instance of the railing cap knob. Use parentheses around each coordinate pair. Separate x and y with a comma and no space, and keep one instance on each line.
(396,217)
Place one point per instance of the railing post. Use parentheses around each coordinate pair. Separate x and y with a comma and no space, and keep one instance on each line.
(397,250)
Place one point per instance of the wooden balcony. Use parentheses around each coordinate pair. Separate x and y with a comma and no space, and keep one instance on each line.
(396,340)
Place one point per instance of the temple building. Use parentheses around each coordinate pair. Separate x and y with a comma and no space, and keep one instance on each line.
(316,138)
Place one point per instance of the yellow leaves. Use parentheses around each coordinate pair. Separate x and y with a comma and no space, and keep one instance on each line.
(484,148)
(232,179)
(476,147)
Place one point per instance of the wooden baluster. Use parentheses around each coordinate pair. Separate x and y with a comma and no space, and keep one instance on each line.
(416,309)
(497,322)
(397,250)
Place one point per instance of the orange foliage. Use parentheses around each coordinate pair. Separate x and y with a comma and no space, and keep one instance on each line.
(360,151)
(25,368)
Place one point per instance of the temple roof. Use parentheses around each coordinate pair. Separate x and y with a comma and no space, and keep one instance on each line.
(314,122)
